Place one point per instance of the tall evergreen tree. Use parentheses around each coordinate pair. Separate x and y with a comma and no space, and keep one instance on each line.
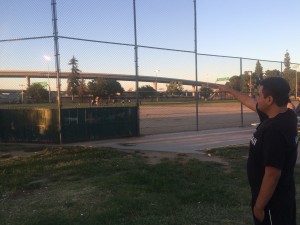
(73,79)
(259,70)
(288,73)
(287,61)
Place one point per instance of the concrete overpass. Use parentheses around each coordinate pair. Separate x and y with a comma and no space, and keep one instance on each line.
(120,77)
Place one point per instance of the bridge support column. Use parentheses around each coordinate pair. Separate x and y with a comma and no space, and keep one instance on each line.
(193,90)
(155,85)
(27,82)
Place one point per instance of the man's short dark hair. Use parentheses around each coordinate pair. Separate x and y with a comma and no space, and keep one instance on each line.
(278,88)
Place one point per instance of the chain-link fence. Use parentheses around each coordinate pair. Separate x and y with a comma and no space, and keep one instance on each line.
(118,41)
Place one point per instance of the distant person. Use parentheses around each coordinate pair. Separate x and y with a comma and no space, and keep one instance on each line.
(297,109)
(97,100)
(291,106)
(272,153)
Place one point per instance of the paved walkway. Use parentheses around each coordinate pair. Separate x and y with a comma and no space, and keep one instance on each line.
(184,142)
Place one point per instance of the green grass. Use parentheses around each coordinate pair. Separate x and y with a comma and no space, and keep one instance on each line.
(77,185)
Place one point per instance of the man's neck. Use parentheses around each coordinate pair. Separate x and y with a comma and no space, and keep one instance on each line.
(275,110)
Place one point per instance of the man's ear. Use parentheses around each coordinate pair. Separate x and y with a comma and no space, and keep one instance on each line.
(270,100)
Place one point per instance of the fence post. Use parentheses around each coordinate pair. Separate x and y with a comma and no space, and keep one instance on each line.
(136,70)
(57,64)
(196,63)
(241,80)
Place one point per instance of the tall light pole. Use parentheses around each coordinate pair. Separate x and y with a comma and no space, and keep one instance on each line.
(47,58)
(296,91)
(156,71)
(22,92)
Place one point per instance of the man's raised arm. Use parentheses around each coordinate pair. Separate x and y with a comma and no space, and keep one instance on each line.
(244,99)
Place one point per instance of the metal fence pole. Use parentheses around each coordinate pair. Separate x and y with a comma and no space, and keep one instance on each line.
(57,64)
(241,84)
(196,63)
(136,69)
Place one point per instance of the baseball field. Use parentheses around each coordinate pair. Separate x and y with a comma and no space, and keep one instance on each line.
(156,119)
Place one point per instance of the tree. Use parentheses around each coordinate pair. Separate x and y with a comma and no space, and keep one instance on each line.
(82,89)
(96,87)
(174,88)
(104,87)
(245,82)
(287,61)
(114,87)
(147,91)
(288,73)
(272,73)
(205,92)
(259,71)
(73,79)
(235,82)
(290,76)
(37,92)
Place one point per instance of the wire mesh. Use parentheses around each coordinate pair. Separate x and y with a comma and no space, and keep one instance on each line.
(100,35)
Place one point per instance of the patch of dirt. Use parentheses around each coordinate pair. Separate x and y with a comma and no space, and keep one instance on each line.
(151,157)
(154,157)
(16,154)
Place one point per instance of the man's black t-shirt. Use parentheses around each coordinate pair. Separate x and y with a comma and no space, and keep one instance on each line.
(274,143)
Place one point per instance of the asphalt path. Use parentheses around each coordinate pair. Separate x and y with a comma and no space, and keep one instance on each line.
(183,142)
(173,129)
(220,127)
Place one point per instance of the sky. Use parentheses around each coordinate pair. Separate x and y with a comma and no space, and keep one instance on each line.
(240,28)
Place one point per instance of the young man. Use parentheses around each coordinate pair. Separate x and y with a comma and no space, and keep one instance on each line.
(272,153)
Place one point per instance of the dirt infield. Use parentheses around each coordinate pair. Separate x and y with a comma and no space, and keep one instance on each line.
(178,118)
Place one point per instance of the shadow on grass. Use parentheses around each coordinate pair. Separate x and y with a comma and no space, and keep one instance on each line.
(77,185)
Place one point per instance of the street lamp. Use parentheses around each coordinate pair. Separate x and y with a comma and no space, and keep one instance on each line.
(296,91)
(47,58)
(156,71)
(22,92)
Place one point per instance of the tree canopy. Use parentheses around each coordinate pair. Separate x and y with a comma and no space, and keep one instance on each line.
(147,91)
(205,92)
(235,82)
(174,88)
(243,82)
(272,73)
(104,87)
(82,89)
(37,92)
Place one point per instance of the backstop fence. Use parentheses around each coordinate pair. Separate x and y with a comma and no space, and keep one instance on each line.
(123,40)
